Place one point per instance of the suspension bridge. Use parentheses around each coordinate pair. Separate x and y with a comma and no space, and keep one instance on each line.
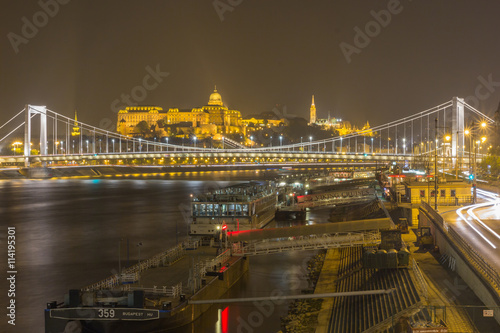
(439,133)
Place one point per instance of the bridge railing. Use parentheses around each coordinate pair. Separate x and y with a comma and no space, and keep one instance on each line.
(476,259)
(471,254)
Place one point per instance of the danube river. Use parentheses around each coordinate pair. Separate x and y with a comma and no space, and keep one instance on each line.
(68,233)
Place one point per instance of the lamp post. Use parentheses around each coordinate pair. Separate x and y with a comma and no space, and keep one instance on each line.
(435,165)
(87,141)
(281,140)
(113,140)
(310,143)
(16,146)
(372,146)
(473,147)
(194,141)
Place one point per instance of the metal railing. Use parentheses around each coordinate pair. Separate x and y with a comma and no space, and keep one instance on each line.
(165,258)
(201,268)
(443,201)
(309,243)
(475,258)
(172,291)
(420,278)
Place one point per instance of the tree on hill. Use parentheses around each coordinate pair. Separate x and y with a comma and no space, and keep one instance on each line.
(143,128)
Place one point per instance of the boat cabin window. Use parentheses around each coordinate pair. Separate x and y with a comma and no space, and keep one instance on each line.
(244,211)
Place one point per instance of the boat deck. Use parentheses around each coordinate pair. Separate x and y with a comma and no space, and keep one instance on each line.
(154,281)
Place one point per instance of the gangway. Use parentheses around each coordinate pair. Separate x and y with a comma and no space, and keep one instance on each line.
(312,242)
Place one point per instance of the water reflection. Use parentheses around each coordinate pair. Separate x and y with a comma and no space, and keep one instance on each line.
(68,234)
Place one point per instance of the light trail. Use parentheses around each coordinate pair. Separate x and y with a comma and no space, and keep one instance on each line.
(493,199)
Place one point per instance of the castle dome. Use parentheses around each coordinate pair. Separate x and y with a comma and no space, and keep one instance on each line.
(215,98)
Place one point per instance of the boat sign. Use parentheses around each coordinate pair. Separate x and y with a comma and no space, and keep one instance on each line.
(104,314)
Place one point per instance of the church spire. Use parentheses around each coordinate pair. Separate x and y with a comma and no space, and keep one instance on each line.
(312,115)
(76,128)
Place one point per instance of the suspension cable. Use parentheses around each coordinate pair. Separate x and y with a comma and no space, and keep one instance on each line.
(13,118)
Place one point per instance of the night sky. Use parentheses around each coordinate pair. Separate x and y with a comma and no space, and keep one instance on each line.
(259,53)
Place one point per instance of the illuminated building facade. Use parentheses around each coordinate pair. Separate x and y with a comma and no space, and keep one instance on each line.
(201,119)
(312,112)
(330,123)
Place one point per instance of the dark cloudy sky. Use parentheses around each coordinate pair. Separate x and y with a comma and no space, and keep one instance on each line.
(262,53)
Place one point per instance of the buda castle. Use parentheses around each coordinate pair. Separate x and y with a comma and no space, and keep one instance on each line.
(211,119)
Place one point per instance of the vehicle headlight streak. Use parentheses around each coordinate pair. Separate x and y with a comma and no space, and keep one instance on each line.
(493,200)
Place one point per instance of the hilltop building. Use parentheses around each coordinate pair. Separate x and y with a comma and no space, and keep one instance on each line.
(312,112)
(211,119)
(329,123)
(76,128)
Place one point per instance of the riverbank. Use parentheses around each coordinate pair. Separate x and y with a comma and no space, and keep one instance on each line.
(97,171)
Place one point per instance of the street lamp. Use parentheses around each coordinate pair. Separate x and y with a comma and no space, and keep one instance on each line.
(113,140)
(474,144)
(251,139)
(139,247)
(372,146)
(404,146)
(194,141)
(310,143)
(16,146)
(281,140)
(62,149)
(87,141)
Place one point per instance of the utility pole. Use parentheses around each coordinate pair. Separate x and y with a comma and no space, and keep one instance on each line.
(435,165)
(474,181)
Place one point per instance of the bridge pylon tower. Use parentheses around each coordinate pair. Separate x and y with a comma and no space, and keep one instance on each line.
(457,135)
(30,111)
